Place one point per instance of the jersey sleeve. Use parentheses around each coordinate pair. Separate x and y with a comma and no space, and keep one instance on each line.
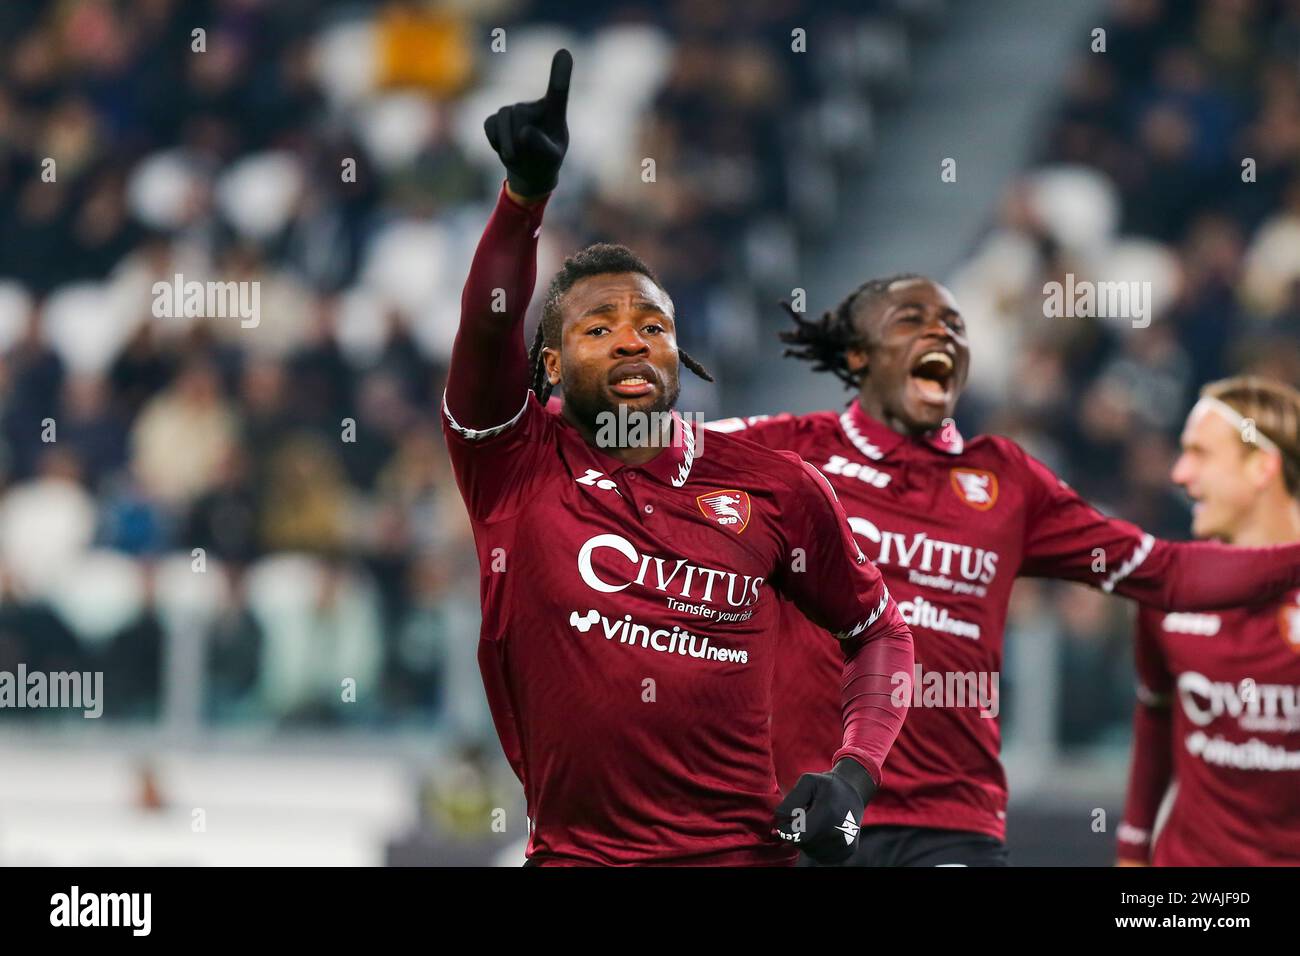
(496,430)
(833,584)
(489,375)
(499,470)
(1151,764)
(1067,538)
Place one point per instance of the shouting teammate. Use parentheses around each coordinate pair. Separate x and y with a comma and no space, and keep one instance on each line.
(950,524)
(1216,731)
(629,635)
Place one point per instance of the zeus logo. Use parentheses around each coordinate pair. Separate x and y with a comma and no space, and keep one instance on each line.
(927,554)
(598,480)
(839,465)
(662,574)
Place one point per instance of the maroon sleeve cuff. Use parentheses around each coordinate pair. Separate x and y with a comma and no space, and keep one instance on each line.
(861,757)
(872,710)
(531,212)
(1132,844)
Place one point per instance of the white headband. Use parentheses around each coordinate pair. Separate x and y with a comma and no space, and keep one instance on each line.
(1237,421)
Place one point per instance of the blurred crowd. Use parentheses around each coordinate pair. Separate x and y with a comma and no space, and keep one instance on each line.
(233,519)
(253,519)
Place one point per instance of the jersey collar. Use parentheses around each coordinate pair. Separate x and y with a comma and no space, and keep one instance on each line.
(672,465)
(875,440)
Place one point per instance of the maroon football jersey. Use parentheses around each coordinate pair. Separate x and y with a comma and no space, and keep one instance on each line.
(951,524)
(630,623)
(1228,683)
(629,633)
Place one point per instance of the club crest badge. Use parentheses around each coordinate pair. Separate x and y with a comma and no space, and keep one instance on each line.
(1289,619)
(729,508)
(977,488)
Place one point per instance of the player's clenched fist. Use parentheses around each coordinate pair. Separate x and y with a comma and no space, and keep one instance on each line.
(823,813)
(531,138)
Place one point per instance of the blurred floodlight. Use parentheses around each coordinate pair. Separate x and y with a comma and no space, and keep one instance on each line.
(1272,265)
(258,193)
(345,60)
(44,526)
(1144,260)
(396,127)
(99,594)
(404,263)
(163,188)
(529,49)
(1079,206)
(83,324)
(628,62)
(361,326)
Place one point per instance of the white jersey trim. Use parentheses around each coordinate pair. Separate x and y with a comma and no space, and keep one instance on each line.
(688,454)
(858,439)
(1134,562)
(478,434)
(1163,813)
(871,619)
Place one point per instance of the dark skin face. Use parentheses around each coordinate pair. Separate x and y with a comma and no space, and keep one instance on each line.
(915,356)
(618,346)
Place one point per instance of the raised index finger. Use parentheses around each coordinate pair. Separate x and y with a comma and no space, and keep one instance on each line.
(557,91)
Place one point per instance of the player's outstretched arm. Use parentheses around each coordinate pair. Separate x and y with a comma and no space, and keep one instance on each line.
(1204,575)
(1068,538)
(839,589)
(489,376)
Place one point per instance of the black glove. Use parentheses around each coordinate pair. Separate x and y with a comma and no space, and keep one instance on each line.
(531,138)
(822,814)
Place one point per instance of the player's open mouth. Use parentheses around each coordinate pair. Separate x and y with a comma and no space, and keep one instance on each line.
(632,381)
(931,377)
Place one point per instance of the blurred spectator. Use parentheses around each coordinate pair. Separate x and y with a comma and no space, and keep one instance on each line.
(183,435)
(305,499)
(89,422)
(45,523)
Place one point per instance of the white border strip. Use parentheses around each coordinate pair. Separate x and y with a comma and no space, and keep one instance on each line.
(1132,564)
(856,437)
(478,434)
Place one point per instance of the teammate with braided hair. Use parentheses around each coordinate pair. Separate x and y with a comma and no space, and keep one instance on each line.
(951,523)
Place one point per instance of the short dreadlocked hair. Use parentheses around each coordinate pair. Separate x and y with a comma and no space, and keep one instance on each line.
(599,259)
(825,341)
